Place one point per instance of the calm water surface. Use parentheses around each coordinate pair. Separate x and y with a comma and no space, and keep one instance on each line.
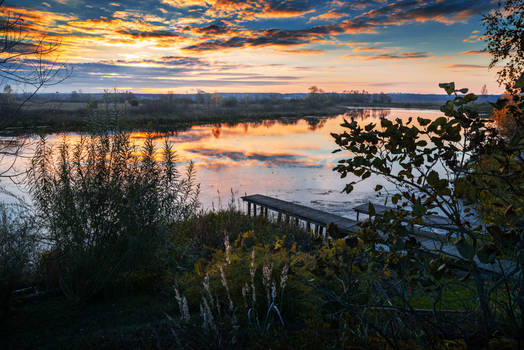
(290,160)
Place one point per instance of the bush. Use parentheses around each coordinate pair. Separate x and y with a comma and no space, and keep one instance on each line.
(467,158)
(107,206)
(17,248)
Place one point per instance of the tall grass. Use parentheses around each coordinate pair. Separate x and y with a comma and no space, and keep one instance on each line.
(106,206)
(17,250)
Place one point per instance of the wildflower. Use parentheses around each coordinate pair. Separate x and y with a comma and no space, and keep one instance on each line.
(182,305)
(224,283)
(209,320)
(252,273)
(185,314)
(208,289)
(228,248)
(283,277)
(245,291)
(266,280)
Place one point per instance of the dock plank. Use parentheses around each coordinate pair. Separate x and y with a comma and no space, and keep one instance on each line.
(434,221)
(304,213)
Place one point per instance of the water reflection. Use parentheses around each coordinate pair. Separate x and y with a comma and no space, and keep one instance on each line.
(290,159)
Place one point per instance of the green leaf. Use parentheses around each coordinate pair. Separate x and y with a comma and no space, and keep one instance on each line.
(433,178)
(418,209)
(423,122)
(378,187)
(396,198)
(519,84)
(465,249)
(470,97)
(487,254)
(449,87)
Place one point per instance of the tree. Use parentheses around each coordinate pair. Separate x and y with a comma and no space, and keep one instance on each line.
(26,61)
(505,37)
(457,166)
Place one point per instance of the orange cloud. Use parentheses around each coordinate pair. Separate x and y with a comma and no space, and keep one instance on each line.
(328,15)
(466,66)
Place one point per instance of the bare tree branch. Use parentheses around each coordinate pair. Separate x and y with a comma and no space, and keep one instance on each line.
(30,60)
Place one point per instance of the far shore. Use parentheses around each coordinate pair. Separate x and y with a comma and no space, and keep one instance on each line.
(50,117)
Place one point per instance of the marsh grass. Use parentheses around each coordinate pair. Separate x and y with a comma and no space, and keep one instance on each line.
(17,251)
(106,207)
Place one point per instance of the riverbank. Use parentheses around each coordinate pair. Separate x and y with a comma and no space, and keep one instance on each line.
(51,117)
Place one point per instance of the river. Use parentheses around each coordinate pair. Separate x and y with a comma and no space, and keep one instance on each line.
(287,159)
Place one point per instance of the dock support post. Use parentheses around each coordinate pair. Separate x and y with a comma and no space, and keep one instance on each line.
(296,221)
(308,226)
(248,208)
(254,209)
(279,217)
(266,212)
(358,213)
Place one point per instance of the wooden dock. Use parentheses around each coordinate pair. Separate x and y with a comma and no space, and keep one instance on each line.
(258,204)
(433,221)
(313,218)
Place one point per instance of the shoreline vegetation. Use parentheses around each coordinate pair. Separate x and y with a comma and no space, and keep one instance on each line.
(169,112)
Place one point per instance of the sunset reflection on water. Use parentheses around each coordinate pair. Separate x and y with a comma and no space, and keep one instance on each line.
(287,159)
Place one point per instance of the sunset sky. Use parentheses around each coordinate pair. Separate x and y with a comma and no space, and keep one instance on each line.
(155,46)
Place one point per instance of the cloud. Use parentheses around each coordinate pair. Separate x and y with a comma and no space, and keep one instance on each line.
(304,51)
(443,11)
(328,15)
(278,37)
(475,52)
(184,3)
(392,56)
(172,72)
(367,49)
(467,66)
(474,37)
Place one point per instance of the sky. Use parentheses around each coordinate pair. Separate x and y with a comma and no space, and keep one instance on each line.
(183,46)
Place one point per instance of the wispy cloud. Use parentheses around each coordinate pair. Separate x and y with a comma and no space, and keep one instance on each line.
(392,56)
(467,66)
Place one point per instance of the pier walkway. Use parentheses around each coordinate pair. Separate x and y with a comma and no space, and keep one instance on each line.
(261,204)
(318,220)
